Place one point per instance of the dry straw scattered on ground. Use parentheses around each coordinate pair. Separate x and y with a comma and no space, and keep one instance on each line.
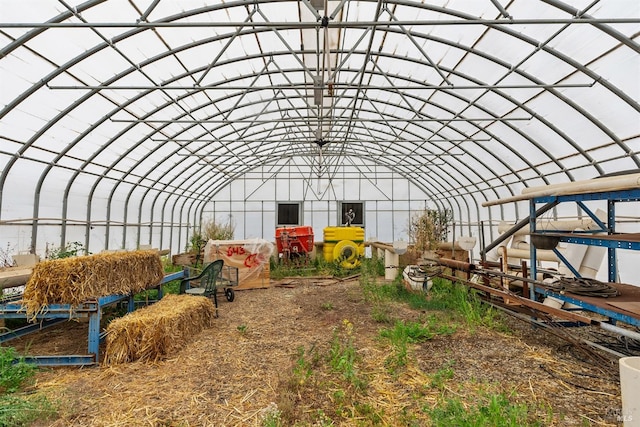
(241,368)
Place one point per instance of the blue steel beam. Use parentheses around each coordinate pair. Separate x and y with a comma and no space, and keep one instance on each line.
(613,241)
(593,308)
(25,330)
(566,262)
(617,242)
(63,360)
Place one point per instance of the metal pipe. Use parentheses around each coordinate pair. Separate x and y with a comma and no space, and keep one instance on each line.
(550,329)
(504,236)
(262,141)
(336,86)
(307,25)
(504,266)
(458,265)
(511,298)
(620,331)
(614,183)
(606,326)
(509,276)
(558,225)
(337,10)
(308,120)
(502,10)
(147,12)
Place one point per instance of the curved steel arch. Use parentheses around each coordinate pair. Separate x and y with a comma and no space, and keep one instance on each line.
(407,169)
(551,157)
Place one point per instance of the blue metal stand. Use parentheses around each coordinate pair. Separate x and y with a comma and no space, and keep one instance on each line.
(56,313)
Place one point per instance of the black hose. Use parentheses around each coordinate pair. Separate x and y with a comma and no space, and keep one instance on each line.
(583,286)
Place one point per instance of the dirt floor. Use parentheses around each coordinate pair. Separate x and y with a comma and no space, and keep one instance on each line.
(246,368)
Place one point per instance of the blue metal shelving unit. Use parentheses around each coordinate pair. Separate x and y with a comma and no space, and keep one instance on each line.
(612,240)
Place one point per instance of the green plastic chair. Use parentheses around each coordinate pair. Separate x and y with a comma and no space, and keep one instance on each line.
(208,278)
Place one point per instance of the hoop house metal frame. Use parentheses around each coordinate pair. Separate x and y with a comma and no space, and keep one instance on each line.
(129,122)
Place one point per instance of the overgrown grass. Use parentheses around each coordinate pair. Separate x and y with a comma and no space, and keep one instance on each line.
(326,306)
(19,409)
(302,369)
(22,410)
(13,371)
(373,267)
(311,267)
(381,293)
(442,375)
(343,355)
(333,383)
(444,296)
(271,416)
(495,410)
(326,372)
(404,333)
(485,406)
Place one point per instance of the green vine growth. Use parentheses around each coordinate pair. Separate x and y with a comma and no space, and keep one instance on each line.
(67,251)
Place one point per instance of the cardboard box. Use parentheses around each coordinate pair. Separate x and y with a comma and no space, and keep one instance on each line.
(250,257)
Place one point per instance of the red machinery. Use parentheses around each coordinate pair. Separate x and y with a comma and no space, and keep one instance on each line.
(294,242)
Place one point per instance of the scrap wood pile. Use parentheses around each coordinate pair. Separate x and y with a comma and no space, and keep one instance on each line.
(78,279)
(150,333)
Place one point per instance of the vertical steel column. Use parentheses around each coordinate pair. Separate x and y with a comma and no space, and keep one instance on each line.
(611,226)
(532,249)
(94,331)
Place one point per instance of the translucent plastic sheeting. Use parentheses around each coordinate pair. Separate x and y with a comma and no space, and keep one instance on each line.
(144,125)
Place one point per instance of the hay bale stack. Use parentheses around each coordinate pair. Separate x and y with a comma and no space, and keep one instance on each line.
(153,332)
(75,280)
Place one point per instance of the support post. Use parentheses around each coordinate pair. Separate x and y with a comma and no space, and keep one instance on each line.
(533,255)
(391,261)
(94,332)
(611,218)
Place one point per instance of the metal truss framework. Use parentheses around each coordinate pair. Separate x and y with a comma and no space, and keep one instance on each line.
(146,112)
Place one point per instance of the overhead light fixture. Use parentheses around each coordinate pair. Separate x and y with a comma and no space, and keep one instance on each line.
(317,90)
(318,4)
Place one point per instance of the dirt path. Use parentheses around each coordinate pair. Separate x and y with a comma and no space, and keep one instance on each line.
(231,374)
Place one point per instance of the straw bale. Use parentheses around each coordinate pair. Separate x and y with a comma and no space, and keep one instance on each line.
(75,280)
(153,332)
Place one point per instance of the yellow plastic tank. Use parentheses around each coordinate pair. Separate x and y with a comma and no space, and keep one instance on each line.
(345,244)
